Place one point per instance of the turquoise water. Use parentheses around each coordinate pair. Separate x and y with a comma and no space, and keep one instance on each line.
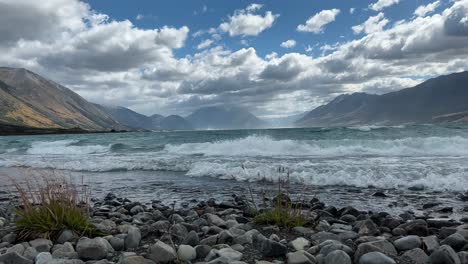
(431,156)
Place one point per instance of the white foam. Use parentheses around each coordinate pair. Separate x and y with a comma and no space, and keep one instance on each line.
(64,147)
(267,146)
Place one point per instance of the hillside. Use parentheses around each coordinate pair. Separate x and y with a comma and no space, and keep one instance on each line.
(27,99)
(441,99)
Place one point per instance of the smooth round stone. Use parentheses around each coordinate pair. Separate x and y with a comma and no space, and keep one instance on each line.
(376,258)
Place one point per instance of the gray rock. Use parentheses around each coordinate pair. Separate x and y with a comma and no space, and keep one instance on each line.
(225,237)
(302,230)
(215,220)
(66,236)
(463,255)
(210,241)
(444,255)
(332,245)
(9,238)
(117,243)
(41,245)
(322,226)
(268,247)
(133,260)
(92,249)
(30,253)
(337,257)
(66,251)
(186,253)
(368,228)
(178,232)
(160,252)
(430,243)
(376,258)
(382,246)
(136,210)
(407,243)
(299,243)
(133,238)
(18,248)
(301,257)
(323,236)
(416,256)
(14,258)
(456,241)
(43,258)
(191,239)
(202,251)
(229,254)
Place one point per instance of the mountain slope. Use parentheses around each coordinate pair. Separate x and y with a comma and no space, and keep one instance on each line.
(128,117)
(441,99)
(217,117)
(174,122)
(27,99)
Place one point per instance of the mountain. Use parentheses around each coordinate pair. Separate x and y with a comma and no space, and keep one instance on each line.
(128,117)
(285,121)
(27,99)
(441,99)
(174,122)
(221,117)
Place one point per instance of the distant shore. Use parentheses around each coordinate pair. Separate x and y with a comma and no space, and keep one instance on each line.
(12,130)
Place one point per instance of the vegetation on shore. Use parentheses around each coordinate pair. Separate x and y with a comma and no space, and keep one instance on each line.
(51,204)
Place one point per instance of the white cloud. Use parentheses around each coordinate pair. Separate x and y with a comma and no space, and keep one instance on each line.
(115,62)
(351,10)
(317,23)
(246,22)
(205,44)
(381,4)
(426,9)
(308,48)
(290,43)
(139,17)
(372,24)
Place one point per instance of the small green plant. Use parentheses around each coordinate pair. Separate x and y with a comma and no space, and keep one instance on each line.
(284,213)
(51,204)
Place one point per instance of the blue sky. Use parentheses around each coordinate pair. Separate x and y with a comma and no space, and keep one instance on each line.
(274,58)
(202,15)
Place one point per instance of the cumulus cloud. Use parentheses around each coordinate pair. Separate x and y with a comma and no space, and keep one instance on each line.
(382,4)
(246,22)
(290,43)
(115,62)
(426,9)
(372,24)
(316,23)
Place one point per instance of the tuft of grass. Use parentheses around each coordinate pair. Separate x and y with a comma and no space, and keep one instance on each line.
(50,204)
(284,213)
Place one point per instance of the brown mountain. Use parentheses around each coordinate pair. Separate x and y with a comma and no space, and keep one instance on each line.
(27,99)
(437,100)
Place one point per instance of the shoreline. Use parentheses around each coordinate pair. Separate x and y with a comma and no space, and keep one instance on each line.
(13,130)
(224,232)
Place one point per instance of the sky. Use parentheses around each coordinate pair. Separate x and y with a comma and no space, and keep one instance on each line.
(273,58)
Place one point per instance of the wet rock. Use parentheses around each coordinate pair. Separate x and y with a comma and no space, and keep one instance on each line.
(376,258)
(301,257)
(337,257)
(92,249)
(133,238)
(431,243)
(41,245)
(441,222)
(407,243)
(456,241)
(416,227)
(186,253)
(444,255)
(136,210)
(348,218)
(160,252)
(430,205)
(379,194)
(14,258)
(415,256)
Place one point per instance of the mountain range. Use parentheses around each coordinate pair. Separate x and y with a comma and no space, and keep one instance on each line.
(32,101)
(437,100)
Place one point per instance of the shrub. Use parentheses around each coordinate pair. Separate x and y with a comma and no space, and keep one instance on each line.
(51,204)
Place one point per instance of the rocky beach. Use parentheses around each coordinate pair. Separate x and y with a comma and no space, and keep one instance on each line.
(214,231)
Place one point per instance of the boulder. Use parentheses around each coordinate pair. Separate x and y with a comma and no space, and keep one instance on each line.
(456,241)
(430,243)
(407,243)
(415,256)
(376,258)
(337,257)
(299,243)
(41,245)
(301,257)
(161,252)
(133,238)
(186,253)
(444,255)
(14,258)
(92,249)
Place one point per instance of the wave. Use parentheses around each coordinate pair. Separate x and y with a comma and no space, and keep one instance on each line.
(65,147)
(373,127)
(266,146)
